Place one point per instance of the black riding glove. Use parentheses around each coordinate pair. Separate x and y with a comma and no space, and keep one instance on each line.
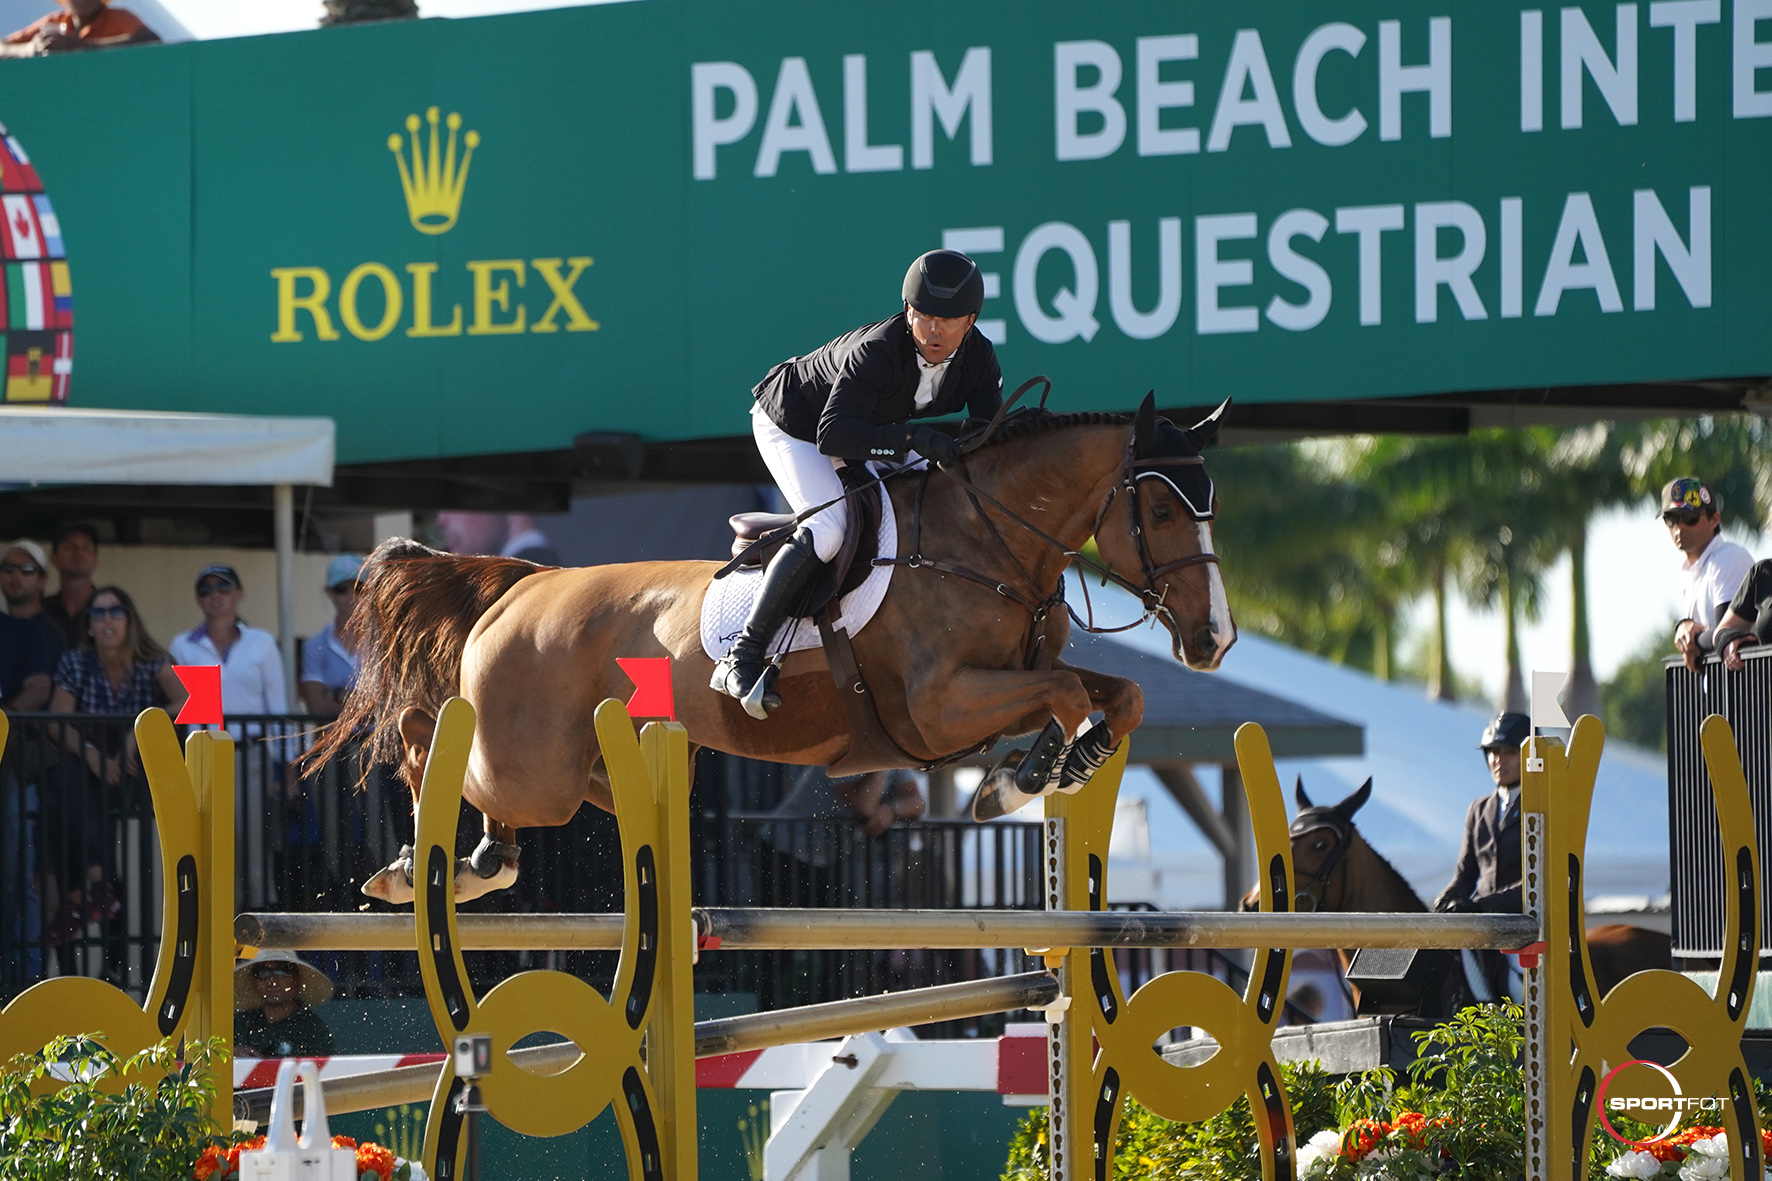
(934,446)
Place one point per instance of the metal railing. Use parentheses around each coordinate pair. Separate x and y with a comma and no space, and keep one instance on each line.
(1695,855)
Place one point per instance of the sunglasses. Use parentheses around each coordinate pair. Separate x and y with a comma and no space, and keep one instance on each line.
(266,971)
(20,568)
(220,586)
(1685,516)
(116,611)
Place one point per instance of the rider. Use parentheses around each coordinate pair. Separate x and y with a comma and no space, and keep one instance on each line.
(848,402)
(1488,875)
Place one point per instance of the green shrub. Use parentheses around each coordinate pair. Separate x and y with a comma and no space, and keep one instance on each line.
(144,1118)
(1152,1148)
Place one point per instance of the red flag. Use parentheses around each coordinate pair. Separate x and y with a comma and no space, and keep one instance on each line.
(203,683)
(652,686)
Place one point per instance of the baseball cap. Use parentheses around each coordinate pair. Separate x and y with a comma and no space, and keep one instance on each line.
(342,569)
(219,570)
(1687,492)
(30,547)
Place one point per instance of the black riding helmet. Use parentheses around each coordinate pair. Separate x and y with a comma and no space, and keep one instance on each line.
(1506,732)
(944,283)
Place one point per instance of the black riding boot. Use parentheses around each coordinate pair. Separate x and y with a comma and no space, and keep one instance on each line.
(746,672)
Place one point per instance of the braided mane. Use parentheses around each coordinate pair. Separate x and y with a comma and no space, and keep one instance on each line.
(1030,421)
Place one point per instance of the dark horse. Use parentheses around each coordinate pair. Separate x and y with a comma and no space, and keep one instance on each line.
(964,648)
(1334,869)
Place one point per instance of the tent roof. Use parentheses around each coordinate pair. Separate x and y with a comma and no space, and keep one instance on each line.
(62,445)
(1192,717)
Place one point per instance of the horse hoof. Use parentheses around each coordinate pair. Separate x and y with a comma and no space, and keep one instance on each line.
(390,884)
(470,885)
(998,796)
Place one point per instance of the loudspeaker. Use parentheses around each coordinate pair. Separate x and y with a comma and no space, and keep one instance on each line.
(1397,979)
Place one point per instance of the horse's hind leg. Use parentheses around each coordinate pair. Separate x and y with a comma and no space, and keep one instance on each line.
(393,882)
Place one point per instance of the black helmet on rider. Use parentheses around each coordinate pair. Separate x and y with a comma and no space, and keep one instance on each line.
(945,284)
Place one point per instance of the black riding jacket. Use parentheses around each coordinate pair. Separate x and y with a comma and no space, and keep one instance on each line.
(853,396)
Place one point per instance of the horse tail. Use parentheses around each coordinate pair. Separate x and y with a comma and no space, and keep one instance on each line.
(415,607)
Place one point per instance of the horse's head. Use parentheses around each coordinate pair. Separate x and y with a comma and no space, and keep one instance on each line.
(1159,537)
(1321,835)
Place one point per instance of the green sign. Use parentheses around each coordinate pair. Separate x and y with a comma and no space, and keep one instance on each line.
(480,236)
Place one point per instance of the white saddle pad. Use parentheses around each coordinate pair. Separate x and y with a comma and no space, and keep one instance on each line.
(727,603)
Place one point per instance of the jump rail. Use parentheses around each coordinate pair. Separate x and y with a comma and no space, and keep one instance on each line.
(725,1035)
(786,929)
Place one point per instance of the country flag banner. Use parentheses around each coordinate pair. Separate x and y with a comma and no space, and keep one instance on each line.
(21,236)
(62,288)
(30,367)
(50,225)
(18,165)
(63,368)
(28,299)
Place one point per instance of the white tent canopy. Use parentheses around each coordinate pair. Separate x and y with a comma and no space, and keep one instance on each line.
(1422,757)
(59,445)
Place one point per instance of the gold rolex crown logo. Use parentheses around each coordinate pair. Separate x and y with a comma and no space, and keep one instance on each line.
(433,185)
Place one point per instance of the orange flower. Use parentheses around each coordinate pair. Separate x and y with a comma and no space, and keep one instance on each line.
(1662,1150)
(1696,1132)
(208,1163)
(1413,1127)
(233,1154)
(1362,1138)
(343,1142)
(373,1158)
(1766,1143)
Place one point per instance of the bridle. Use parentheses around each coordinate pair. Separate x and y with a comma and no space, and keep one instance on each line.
(1344,838)
(1149,592)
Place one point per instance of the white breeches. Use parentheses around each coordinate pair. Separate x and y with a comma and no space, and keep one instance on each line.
(806,477)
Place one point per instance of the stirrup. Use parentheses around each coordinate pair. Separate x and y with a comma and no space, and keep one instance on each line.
(760,700)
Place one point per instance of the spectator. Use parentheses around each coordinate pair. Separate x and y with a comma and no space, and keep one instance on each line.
(524,539)
(80,24)
(121,670)
(1749,618)
(275,994)
(1713,570)
(24,573)
(1487,878)
(24,666)
(24,652)
(512,535)
(252,669)
(73,551)
(329,656)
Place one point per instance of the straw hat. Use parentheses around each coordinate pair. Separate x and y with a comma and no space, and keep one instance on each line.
(316,989)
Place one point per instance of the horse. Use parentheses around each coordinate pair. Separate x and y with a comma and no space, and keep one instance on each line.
(963,650)
(1334,869)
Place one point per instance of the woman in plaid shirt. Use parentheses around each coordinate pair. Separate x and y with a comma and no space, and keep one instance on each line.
(118,670)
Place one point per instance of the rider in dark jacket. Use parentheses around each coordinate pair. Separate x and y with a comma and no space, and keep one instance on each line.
(850,401)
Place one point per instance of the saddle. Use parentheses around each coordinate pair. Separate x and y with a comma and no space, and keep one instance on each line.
(756,537)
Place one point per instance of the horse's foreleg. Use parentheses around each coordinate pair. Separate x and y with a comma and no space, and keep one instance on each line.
(1122,706)
(971,704)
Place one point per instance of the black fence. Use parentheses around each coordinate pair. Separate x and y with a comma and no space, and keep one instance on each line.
(1695,852)
(80,885)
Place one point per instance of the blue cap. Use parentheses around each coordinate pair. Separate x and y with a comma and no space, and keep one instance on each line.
(342,569)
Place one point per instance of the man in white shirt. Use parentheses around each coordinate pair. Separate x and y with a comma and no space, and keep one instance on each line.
(252,668)
(1713,569)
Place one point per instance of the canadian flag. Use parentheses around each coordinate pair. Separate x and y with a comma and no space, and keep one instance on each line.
(23,236)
